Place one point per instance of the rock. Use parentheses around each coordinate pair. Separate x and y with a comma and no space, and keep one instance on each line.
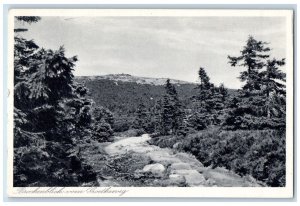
(109,183)
(176,145)
(138,174)
(184,157)
(156,169)
(176,179)
(142,149)
(163,157)
(134,144)
(180,166)
(211,182)
(192,177)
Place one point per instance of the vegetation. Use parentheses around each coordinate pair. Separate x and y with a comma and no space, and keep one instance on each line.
(53,119)
(260,153)
(257,114)
(261,102)
(61,124)
(124,99)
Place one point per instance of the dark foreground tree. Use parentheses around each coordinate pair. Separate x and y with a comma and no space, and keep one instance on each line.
(261,103)
(51,118)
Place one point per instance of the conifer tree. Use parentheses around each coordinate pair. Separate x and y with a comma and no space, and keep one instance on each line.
(167,115)
(204,88)
(209,103)
(253,58)
(171,112)
(274,87)
(102,123)
(274,92)
(218,103)
(262,96)
(48,117)
(158,116)
(101,113)
(102,131)
(141,121)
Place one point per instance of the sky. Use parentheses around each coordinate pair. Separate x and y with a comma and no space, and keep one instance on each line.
(168,47)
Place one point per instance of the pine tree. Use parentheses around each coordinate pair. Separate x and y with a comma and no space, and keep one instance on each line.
(101,113)
(48,117)
(209,103)
(171,117)
(253,58)
(263,96)
(102,123)
(218,103)
(204,79)
(167,116)
(274,92)
(204,88)
(158,116)
(201,102)
(274,88)
(102,131)
(223,92)
(141,121)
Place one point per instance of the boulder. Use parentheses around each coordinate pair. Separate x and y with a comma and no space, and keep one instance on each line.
(176,145)
(176,179)
(184,157)
(192,177)
(164,157)
(156,169)
(180,166)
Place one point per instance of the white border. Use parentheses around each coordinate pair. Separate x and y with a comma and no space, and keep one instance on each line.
(249,192)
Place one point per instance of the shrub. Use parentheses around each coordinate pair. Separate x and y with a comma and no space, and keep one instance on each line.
(260,153)
(166,141)
(122,123)
(131,133)
(102,132)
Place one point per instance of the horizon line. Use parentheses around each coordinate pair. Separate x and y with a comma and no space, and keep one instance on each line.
(196,82)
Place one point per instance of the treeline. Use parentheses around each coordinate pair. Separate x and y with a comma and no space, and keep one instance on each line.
(123,99)
(52,117)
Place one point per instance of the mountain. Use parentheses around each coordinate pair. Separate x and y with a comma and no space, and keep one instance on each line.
(122,93)
(131,78)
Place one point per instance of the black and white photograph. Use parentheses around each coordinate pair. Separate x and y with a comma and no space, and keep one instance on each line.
(116,103)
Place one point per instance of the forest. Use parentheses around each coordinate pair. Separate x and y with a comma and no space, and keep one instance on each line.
(63,123)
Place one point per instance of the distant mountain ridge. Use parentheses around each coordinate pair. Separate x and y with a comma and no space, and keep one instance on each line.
(122,93)
(131,78)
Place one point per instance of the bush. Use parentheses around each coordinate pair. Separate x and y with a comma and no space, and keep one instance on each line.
(122,124)
(260,153)
(103,132)
(131,133)
(165,141)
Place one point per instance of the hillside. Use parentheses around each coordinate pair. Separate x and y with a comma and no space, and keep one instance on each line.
(122,94)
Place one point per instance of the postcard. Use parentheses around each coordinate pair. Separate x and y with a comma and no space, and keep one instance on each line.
(150,103)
